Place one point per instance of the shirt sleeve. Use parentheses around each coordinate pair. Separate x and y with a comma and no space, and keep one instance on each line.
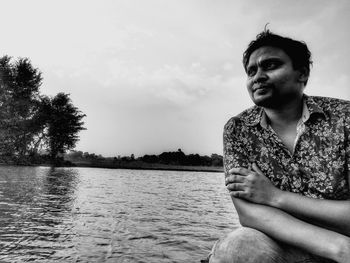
(235,154)
(347,144)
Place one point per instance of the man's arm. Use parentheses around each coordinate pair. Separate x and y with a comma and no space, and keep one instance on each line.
(331,214)
(286,228)
(253,186)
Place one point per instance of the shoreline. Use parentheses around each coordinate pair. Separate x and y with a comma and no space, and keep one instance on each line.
(159,167)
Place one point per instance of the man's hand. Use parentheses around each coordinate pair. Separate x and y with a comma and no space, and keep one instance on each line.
(252,185)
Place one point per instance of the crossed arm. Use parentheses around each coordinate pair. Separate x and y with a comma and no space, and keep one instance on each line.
(320,226)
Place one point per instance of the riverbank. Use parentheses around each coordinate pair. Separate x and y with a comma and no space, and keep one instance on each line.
(175,160)
(146,166)
(143,166)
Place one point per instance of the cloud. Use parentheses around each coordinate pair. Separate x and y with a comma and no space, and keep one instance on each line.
(336,86)
(164,74)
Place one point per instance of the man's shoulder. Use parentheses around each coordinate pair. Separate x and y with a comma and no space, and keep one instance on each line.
(326,101)
(247,117)
(332,106)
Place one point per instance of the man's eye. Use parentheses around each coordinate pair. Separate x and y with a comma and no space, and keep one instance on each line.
(271,65)
(251,72)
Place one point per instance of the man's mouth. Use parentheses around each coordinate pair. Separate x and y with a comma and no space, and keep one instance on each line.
(260,87)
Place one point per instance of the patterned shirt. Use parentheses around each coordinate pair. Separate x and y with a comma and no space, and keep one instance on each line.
(320,163)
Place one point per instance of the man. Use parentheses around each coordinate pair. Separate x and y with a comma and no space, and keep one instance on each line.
(287,163)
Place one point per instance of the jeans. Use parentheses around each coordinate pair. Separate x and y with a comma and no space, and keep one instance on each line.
(247,245)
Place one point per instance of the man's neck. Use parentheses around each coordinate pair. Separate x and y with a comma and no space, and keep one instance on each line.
(284,122)
(286,115)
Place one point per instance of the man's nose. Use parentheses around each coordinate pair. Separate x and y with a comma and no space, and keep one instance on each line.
(260,76)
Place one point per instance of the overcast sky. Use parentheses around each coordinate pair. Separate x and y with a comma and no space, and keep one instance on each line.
(158,75)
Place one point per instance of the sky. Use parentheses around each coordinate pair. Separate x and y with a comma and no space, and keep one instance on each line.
(159,75)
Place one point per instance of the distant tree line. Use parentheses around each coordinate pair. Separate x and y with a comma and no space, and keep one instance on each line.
(178,158)
(34,128)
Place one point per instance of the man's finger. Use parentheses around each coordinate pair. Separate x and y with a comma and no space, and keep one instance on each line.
(235,178)
(239,170)
(238,194)
(235,187)
(256,169)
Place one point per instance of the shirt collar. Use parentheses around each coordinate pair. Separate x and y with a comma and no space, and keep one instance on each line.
(257,114)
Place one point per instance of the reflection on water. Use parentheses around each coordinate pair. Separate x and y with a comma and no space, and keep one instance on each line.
(35,209)
(101,215)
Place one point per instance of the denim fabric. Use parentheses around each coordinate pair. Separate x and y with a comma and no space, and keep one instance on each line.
(247,245)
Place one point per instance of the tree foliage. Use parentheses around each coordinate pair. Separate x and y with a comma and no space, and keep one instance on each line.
(176,158)
(19,100)
(64,122)
(27,118)
(180,158)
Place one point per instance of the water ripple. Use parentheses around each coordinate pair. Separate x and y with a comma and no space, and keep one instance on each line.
(103,215)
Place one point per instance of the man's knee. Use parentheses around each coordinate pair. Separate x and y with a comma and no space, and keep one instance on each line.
(246,245)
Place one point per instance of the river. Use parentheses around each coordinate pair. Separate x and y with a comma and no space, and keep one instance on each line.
(110,215)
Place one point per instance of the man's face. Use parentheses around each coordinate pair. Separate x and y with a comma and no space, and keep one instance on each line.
(272,81)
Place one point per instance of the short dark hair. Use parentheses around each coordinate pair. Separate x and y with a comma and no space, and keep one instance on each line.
(296,50)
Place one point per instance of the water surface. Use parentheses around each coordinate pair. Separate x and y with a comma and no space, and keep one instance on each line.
(104,215)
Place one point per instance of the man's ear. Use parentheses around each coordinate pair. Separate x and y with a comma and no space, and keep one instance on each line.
(304,74)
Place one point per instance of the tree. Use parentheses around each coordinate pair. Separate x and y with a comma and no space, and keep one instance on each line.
(64,122)
(216,160)
(19,104)
(29,121)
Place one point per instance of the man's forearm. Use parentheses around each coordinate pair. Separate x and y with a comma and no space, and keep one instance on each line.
(331,214)
(286,228)
(254,186)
